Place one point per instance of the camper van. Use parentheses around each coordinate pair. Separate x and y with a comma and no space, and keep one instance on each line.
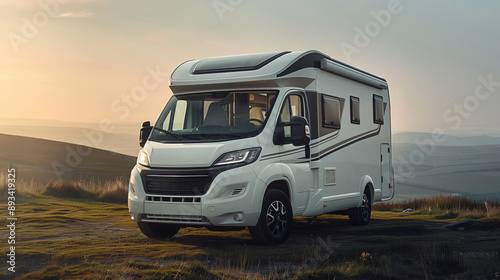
(256,140)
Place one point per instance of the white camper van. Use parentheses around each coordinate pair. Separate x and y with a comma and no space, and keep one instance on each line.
(254,140)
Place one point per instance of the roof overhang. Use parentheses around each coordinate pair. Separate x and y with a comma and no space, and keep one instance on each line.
(266,70)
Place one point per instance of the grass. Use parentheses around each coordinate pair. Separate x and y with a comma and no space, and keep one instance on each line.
(445,207)
(45,160)
(62,238)
(115,191)
(129,270)
(76,230)
(112,191)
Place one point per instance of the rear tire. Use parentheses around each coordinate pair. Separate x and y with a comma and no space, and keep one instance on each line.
(360,216)
(158,230)
(275,220)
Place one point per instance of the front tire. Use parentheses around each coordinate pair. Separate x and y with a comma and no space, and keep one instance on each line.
(275,220)
(158,230)
(360,216)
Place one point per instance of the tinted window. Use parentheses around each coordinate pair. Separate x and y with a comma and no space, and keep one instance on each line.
(355,118)
(331,112)
(378,109)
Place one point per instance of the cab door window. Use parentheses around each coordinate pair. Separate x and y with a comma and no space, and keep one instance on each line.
(293,106)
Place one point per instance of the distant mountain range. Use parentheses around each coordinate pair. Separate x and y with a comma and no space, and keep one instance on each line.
(465,169)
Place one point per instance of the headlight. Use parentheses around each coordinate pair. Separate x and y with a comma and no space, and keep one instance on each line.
(131,188)
(143,158)
(241,156)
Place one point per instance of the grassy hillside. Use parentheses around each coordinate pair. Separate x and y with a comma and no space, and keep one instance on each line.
(65,231)
(71,239)
(123,141)
(42,160)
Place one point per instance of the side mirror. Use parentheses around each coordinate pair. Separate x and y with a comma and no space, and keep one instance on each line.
(144,134)
(295,132)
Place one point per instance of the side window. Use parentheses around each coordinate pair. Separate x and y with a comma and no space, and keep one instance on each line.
(331,112)
(166,123)
(378,109)
(355,118)
(180,115)
(175,119)
(293,106)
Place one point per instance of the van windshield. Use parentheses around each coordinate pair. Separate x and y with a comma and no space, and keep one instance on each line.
(213,116)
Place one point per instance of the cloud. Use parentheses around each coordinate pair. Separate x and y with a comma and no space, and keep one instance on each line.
(81,14)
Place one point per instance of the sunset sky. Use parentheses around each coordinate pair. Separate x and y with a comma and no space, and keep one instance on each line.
(79,60)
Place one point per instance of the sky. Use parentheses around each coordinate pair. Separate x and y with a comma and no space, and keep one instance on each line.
(81,60)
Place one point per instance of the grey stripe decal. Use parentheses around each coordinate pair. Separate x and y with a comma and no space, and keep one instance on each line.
(346,143)
(328,150)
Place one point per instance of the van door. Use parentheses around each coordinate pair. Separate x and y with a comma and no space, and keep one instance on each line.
(294,157)
(385,169)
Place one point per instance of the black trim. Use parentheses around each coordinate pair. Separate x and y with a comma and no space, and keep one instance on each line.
(312,104)
(207,67)
(308,60)
(211,172)
(313,59)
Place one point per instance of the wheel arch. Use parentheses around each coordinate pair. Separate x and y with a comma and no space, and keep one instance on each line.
(274,177)
(281,185)
(366,183)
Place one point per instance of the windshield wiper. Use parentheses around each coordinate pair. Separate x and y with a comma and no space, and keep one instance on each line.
(237,136)
(213,136)
(173,135)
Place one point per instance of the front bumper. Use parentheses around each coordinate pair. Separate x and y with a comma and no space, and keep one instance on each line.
(232,198)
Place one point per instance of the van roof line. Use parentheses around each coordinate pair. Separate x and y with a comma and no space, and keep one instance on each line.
(261,69)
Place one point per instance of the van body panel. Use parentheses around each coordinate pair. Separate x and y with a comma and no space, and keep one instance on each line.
(183,155)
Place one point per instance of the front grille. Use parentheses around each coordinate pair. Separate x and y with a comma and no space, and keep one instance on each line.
(177,184)
(173,199)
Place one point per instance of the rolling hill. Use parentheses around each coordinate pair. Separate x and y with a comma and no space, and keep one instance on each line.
(124,140)
(468,170)
(472,171)
(42,160)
